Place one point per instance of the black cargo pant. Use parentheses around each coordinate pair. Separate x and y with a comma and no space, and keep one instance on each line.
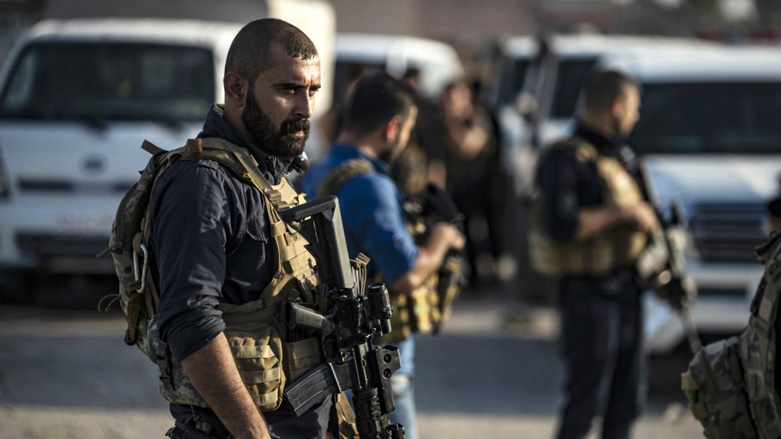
(602,335)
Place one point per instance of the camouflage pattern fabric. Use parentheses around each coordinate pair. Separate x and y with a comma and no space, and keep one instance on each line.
(731,384)
(715,390)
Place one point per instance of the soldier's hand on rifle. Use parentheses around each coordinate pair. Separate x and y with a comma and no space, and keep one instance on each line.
(642,216)
(450,234)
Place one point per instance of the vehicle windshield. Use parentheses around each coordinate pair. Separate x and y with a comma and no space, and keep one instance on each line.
(109,81)
(512,80)
(347,73)
(571,76)
(718,118)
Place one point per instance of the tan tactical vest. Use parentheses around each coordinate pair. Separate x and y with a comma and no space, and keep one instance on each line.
(599,255)
(263,355)
(418,311)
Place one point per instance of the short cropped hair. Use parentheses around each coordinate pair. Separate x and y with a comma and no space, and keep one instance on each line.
(376,99)
(250,51)
(774,207)
(604,87)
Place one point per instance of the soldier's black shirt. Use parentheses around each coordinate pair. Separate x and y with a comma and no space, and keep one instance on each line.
(210,241)
(567,185)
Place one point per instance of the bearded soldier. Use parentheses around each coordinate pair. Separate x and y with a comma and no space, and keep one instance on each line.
(590,227)
(214,261)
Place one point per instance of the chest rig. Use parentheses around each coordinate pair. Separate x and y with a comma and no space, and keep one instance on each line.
(600,255)
(419,311)
(266,352)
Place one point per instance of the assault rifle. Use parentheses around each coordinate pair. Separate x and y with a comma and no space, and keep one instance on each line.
(348,332)
(662,265)
(437,205)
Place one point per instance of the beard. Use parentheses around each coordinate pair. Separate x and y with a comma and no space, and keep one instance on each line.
(391,155)
(276,142)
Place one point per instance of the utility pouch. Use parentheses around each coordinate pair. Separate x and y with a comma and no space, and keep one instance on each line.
(258,356)
(715,388)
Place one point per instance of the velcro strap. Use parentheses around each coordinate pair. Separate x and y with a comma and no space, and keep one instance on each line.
(278,228)
(699,410)
(687,382)
(251,351)
(298,263)
(194,147)
(266,399)
(133,312)
(261,376)
(305,348)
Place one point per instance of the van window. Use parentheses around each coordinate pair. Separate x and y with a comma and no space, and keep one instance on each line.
(512,80)
(110,81)
(570,78)
(698,118)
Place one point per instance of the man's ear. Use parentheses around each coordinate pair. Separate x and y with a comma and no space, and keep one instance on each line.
(618,109)
(236,89)
(392,128)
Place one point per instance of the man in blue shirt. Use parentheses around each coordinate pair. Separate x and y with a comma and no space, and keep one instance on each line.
(380,116)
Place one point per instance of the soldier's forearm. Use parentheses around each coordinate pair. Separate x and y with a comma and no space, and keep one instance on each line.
(213,372)
(593,221)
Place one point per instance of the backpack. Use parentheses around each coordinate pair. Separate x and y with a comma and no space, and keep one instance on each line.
(715,388)
(128,245)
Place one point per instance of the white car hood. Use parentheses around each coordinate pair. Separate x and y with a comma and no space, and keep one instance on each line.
(726,178)
(76,153)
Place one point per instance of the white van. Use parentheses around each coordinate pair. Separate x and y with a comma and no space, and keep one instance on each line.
(77,98)
(437,62)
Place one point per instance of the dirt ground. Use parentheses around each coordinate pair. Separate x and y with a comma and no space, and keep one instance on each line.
(68,375)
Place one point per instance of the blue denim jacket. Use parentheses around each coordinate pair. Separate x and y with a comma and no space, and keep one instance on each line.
(372,212)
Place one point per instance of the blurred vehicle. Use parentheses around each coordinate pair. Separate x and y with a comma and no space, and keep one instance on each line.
(437,62)
(709,137)
(77,98)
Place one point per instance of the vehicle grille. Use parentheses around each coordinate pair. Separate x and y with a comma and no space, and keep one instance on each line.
(728,232)
(51,245)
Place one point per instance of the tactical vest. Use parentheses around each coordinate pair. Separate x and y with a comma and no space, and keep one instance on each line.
(420,311)
(264,356)
(599,255)
(731,384)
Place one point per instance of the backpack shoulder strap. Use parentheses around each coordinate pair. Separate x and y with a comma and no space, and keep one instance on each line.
(335,181)
(237,159)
